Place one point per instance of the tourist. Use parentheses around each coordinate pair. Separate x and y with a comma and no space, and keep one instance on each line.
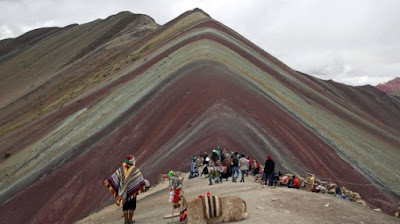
(216,173)
(243,163)
(206,164)
(250,164)
(193,163)
(295,183)
(269,170)
(256,169)
(235,167)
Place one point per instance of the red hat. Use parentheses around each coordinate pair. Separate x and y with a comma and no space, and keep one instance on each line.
(269,157)
(131,159)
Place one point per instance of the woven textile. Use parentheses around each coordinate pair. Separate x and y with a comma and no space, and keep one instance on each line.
(125,183)
(212,207)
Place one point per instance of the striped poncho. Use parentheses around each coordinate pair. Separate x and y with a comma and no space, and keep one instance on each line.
(125,183)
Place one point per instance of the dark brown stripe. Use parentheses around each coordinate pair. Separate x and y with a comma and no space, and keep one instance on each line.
(215,209)
(209,206)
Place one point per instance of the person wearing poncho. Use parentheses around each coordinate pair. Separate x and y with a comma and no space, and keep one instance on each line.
(125,184)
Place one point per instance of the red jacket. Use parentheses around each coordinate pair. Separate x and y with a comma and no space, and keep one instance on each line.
(296,183)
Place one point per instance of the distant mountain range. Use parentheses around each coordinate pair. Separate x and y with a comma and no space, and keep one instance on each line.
(391,87)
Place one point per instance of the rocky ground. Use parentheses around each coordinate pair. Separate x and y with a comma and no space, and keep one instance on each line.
(265,205)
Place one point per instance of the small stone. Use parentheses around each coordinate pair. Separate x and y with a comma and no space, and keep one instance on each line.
(273,199)
(260,208)
(360,201)
(286,211)
(326,205)
(378,209)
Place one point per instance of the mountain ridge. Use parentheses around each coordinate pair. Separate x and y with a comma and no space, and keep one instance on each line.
(139,97)
(391,87)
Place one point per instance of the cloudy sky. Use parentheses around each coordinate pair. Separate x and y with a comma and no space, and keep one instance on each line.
(355,42)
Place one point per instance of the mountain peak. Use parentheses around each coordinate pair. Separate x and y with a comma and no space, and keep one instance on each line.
(391,87)
(73,103)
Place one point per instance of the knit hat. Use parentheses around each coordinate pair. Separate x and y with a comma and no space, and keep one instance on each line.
(131,159)
(269,157)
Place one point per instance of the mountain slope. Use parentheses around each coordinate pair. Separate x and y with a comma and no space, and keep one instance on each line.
(391,87)
(182,89)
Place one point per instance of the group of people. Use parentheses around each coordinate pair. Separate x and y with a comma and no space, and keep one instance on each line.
(270,177)
(221,165)
(127,181)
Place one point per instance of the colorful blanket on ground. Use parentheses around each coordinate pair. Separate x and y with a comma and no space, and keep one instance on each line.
(125,183)
(212,207)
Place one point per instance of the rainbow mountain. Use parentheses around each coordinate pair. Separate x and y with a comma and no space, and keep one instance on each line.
(76,100)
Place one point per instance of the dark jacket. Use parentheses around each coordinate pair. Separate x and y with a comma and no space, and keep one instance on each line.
(235,161)
(269,166)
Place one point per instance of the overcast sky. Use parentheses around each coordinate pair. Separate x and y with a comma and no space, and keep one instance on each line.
(355,42)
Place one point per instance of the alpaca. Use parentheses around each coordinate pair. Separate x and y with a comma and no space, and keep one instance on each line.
(216,209)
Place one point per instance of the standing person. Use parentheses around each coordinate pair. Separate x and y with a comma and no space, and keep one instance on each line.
(269,170)
(193,163)
(125,184)
(251,164)
(243,165)
(205,167)
(235,167)
(205,155)
(248,166)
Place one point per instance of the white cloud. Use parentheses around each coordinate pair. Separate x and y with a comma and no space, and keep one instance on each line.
(5,32)
(50,23)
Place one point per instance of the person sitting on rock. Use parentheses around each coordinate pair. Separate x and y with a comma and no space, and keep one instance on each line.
(277,179)
(339,192)
(194,173)
(215,173)
(295,183)
(256,169)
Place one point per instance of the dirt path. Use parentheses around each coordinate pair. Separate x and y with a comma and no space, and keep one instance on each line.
(265,205)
